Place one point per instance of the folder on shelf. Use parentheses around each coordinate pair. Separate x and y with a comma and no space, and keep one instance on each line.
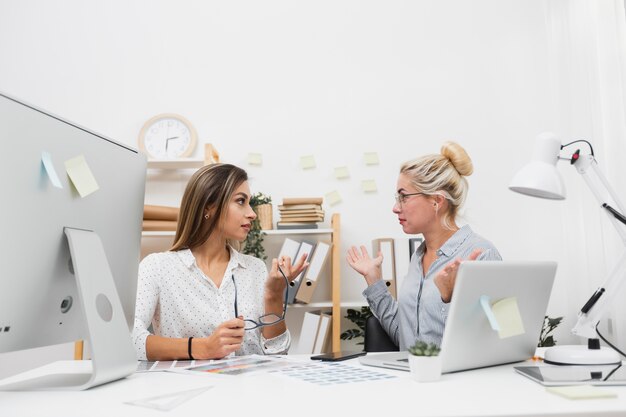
(310,279)
(322,341)
(315,333)
(385,245)
(308,332)
(292,289)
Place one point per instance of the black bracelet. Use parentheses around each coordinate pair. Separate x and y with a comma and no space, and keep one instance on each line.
(189,348)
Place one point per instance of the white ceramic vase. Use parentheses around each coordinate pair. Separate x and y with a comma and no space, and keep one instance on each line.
(425,368)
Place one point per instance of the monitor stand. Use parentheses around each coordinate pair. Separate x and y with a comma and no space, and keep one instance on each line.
(112,350)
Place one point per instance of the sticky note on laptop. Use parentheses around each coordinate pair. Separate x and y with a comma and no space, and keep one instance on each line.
(581,392)
(508,316)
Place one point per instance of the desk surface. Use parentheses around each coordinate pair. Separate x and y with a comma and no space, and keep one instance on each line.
(496,391)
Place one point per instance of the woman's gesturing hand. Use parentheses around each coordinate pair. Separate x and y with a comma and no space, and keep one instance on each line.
(361,262)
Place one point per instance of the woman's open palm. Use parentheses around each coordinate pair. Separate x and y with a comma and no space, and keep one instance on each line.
(361,262)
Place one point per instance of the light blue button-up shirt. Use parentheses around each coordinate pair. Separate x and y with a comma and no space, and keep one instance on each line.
(420,314)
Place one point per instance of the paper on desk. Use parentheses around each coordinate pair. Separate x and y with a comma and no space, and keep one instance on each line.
(46,159)
(167,402)
(581,392)
(81,176)
(508,316)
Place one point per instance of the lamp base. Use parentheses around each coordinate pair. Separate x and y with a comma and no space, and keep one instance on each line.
(580,355)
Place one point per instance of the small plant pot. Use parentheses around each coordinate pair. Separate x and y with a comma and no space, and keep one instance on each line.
(264,211)
(425,368)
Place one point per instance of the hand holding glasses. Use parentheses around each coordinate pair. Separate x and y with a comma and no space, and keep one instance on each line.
(266,319)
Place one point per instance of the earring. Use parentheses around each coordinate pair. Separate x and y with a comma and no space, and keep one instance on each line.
(206,216)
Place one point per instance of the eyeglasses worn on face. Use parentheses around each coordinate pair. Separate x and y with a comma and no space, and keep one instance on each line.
(401,198)
(266,319)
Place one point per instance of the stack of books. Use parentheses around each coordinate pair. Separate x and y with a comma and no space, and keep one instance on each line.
(300,213)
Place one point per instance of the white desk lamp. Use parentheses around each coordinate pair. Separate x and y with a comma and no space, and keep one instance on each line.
(540,178)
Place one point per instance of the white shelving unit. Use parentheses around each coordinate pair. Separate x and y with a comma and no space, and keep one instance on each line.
(181,163)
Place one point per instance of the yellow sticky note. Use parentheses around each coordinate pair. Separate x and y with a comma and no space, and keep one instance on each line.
(332,198)
(581,392)
(307,162)
(508,317)
(255,159)
(371,158)
(369,186)
(342,173)
(80,174)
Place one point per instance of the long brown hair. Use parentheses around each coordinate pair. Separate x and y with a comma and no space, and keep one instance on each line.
(211,187)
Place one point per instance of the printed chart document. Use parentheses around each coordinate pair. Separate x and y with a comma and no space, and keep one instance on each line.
(238,365)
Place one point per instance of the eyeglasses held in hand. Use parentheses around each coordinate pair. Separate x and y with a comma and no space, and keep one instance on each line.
(267,319)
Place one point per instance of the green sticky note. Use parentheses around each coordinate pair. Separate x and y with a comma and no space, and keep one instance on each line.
(508,317)
(369,186)
(342,173)
(255,159)
(332,198)
(80,174)
(307,162)
(581,392)
(371,158)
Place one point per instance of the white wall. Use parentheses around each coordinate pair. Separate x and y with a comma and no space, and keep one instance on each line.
(329,78)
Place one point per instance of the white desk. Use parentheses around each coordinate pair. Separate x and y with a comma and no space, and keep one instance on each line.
(496,391)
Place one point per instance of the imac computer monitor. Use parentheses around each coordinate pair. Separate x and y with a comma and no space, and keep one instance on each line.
(71,228)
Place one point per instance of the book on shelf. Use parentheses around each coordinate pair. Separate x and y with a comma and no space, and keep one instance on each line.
(295,219)
(295,226)
(302,212)
(299,207)
(303,200)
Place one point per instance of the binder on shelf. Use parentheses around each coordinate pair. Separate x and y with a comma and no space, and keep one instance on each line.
(290,248)
(322,341)
(310,279)
(385,245)
(292,289)
(315,333)
(308,332)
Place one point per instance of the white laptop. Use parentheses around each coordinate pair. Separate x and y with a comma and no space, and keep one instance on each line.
(469,340)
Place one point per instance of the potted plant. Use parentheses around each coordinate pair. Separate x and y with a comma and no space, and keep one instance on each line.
(425,362)
(262,206)
(253,245)
(549,325)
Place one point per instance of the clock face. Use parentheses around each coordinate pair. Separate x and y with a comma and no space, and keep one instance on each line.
(167,137)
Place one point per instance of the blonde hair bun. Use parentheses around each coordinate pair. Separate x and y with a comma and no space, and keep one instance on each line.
(458,157)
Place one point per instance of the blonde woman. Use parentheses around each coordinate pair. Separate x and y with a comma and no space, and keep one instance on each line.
(203,298)
(430,192)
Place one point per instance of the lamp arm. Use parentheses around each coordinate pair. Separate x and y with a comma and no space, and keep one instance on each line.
(594,309)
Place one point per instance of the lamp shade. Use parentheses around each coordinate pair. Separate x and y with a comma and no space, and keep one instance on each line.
(540,178)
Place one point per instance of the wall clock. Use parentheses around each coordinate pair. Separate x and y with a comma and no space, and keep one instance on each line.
(167,136)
